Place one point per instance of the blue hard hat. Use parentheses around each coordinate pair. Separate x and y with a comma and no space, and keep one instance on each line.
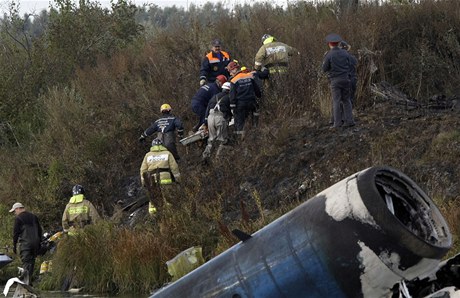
(333,37)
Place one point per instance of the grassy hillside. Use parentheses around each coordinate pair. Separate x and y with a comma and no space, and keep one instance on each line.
(83,101)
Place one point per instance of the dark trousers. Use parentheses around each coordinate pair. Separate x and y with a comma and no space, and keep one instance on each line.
(242,111)
(169,141)
(340,90)
(28,261)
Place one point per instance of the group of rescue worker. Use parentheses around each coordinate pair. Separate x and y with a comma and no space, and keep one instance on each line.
(227,90)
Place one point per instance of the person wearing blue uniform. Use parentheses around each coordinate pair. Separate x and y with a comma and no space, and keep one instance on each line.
(353,76)
(166,128)
(244,92)
(336,64)
(201,99)
(214,63)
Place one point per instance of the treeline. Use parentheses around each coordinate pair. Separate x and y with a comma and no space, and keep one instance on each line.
(78,85)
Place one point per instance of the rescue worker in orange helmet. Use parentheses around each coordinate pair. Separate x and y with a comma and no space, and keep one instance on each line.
(159,171)
(214,63)
(166,127)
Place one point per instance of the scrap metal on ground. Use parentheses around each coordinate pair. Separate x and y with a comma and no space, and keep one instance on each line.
(361,237)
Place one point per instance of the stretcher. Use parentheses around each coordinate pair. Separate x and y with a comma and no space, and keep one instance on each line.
(199,135)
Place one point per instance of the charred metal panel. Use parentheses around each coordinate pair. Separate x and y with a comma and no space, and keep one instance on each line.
(357,238)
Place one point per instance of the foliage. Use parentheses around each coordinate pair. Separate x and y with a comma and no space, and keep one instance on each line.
(78,85)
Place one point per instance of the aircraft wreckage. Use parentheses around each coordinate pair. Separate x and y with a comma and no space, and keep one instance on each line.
(362,237)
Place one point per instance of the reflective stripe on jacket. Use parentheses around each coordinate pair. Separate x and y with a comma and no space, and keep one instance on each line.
(212,66)
(244,88)
(79,212)
(274,54)
(160,160)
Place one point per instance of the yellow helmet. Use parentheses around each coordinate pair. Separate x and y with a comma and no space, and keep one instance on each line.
(165,108)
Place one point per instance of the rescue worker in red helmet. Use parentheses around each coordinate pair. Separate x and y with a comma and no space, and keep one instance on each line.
(201,98)
(214,63)
(273,57)
(166,127)
(244,92)
(79,212)
(159,171)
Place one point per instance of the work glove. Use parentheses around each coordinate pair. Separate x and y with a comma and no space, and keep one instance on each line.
(142,138)
(202,82)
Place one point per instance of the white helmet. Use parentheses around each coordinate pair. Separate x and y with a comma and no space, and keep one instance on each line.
(226,86)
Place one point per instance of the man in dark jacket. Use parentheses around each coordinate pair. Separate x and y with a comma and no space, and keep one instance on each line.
(214,63)
(166,128)
(244,92)
(27,233)
(201,98)
(336,64)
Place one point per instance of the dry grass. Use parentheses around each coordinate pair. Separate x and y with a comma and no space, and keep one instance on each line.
(90,128)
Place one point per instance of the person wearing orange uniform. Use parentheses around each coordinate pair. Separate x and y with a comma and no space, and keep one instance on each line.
(214,63)
(244,92)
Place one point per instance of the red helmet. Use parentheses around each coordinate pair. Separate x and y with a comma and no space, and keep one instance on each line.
(232,66)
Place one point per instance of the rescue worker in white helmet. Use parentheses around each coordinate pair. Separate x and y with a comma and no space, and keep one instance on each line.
(273,57)
(218,115)
(79,212)
(159,171)
(214,63)
(166,127)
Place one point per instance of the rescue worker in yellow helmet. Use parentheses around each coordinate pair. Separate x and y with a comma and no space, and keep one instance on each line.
(166,127)
(244,92)
(159,171)
(273,57)
(79,212)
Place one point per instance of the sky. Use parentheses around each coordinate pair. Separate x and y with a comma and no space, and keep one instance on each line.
(30,6)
